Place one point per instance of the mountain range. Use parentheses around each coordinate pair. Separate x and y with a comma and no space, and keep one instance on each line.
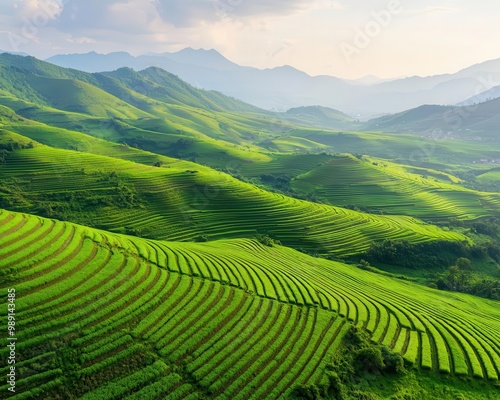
(285,87)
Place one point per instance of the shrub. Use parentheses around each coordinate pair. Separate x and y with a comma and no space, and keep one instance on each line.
(306,392)
(336,389)
(369,359)
(394,363)
(266,240)
(363,264)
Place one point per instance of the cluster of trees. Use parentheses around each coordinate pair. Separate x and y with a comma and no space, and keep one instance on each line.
(275,183)
(62,206)
(490,227)
(12,145)
(460,278)
(432,255)
(471,182)
(454,258)
(281,183)
(356,359)
(267,240)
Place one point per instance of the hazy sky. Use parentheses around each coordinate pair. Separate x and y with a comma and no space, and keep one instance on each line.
(350,39)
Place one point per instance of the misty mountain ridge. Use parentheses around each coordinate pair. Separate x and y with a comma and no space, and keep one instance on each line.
(475,122)
(491,94)
(286,87)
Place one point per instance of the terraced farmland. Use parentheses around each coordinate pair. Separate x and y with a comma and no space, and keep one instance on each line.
(381,185)
(106,316)
(182,204)
(490,176)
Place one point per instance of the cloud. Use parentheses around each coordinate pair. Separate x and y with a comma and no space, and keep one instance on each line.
(79,15)
(126,16)
(80,40)
(186,13)
(432,10)
(38,9)
(328,4)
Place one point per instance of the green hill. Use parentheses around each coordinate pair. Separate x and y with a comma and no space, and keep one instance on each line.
(101,315)
(167,88)
(179,203)
(16,72)
(319,116)
(151,109)
(473,121)
(374,185)
(80,97)
(385,187)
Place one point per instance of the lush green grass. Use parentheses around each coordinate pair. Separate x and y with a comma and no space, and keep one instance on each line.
(215,315)
(201,139)
(76,96)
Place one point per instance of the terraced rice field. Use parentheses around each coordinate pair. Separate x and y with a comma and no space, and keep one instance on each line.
(212,204)
(392,189)
(229,319)
(490,176)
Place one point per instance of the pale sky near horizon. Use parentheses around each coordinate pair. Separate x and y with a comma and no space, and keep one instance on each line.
(348,39)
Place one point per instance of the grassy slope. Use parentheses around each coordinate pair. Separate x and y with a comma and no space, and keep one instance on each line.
(159,134)
(76,96)
(395,189)
(490,176)
(218,123)
(95,311)
(161,85)
(480,120)
(180,204)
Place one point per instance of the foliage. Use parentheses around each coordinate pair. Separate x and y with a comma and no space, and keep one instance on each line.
(432,255)
(12,145)
(266,240)
(459,278)
(99,309)
(357,360)
(201,239)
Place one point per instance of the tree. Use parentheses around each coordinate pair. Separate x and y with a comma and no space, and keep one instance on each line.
(370,359)
(451,277)
(464,264)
